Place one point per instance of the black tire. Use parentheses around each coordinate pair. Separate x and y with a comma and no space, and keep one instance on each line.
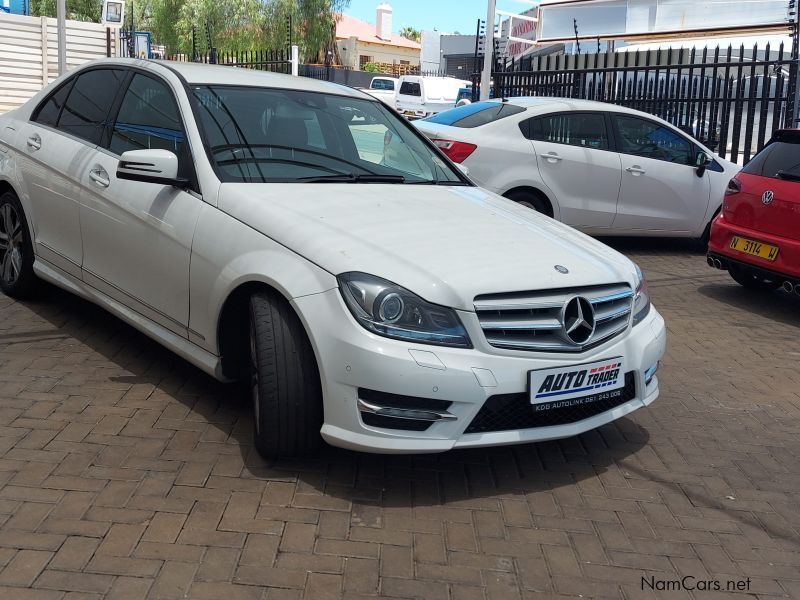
(284,380)
(753,280)
(17,278)
(531,200)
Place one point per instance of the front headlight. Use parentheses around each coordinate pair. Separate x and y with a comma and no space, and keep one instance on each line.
(641,300)
(392,311)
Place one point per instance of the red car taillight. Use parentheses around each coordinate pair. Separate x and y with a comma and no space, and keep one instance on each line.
(455,151)
(734,187)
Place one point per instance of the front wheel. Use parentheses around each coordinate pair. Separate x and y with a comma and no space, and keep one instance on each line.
(284,380)
(753,280)
(17,278)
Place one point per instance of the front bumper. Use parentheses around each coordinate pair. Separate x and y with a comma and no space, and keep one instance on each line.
(786,264)
(351,358)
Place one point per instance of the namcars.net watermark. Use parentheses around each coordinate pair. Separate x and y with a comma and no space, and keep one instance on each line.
(690,583)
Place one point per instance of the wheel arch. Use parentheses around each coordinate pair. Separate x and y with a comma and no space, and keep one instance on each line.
(536,192)
(233,326)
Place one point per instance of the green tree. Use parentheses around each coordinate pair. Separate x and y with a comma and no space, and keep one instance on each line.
(411,34)
(77,10)
(237,25)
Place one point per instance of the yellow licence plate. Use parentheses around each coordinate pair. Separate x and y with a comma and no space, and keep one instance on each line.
(754,248)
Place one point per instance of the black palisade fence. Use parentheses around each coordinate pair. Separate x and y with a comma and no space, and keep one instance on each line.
(276,61)
(730,99)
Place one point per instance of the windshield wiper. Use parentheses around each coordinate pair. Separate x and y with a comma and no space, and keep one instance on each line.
(353,178)
(788,176)
(439,182)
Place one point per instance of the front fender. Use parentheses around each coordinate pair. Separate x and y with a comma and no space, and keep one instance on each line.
(227,254)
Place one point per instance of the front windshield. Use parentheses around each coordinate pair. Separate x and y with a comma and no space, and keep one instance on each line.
(257,135)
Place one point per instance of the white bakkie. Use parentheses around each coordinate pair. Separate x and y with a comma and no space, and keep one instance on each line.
(302,236)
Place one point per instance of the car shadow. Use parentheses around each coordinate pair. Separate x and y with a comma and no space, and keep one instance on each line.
(380,480)
(654,244)
(777,306)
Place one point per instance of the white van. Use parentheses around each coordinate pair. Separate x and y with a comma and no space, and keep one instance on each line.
(420,97)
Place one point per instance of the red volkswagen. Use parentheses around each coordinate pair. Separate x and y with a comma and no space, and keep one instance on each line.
(756,237)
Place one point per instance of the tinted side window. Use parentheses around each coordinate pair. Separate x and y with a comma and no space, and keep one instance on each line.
(86,111)
(587,130)
(148,118)
(410,88)
(777,159)
(649,139)
(49,111)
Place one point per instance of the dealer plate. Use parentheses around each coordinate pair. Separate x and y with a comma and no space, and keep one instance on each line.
(754,248)
(575,381)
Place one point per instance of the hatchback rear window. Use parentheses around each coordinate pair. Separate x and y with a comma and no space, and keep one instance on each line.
(476,114)
(780,159)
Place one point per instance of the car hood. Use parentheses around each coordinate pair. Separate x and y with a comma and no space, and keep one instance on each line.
(446,243)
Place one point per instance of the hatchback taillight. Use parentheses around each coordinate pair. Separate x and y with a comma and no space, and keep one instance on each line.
(734,187)
(455,151)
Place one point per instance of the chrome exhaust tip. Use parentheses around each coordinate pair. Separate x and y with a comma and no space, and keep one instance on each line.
(718,263)
(788,287)
(710,261)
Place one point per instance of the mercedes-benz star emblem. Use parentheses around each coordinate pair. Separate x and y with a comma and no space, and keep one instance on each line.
(768,196)
(561,269)
(577,317)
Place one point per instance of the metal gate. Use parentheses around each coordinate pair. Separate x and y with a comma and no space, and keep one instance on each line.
(730,99)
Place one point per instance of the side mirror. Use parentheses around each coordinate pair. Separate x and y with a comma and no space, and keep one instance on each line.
(701,162)
(463,168)
(150,166)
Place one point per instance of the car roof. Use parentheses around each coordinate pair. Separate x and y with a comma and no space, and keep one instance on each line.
(548,104)
(199,73)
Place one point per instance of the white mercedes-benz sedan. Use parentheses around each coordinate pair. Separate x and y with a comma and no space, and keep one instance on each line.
(601,168)
(302,236)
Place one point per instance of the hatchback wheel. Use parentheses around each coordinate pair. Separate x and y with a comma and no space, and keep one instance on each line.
(532,201)
(284,380)
(753,280)
(17,278)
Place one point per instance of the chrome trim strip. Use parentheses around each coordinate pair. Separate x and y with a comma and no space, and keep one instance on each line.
(481,305)
(405,413)
(612,297)
(620,313)
(550,325)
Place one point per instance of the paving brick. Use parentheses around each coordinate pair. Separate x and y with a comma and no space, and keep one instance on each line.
(24,568)
(125,474)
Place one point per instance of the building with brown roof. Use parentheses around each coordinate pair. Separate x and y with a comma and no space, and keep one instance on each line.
(360,42)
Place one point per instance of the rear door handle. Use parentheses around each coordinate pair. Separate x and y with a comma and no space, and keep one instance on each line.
(34,142)
(551,156)
(100,177)
(636,170)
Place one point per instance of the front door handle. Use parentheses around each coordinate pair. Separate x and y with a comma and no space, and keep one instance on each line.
(551,156)
(34,142)
(636,170)
(100,177)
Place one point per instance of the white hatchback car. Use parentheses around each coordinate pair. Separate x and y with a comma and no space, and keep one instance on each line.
(303,236)
(601,168)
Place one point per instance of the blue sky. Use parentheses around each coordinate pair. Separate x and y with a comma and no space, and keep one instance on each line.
(444,15)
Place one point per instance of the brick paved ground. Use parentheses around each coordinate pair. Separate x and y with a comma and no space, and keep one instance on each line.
(126,473)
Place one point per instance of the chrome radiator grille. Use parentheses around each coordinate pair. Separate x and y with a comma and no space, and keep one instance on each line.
(535,321)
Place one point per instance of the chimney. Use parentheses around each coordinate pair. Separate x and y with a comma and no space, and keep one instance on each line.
(383,22)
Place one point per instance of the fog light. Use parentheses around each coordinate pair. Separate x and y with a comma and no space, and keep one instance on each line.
(650,373)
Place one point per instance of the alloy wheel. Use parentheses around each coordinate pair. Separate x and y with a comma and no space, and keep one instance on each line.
(11,244)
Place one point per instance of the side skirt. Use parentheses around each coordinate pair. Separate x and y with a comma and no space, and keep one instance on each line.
(205,361)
